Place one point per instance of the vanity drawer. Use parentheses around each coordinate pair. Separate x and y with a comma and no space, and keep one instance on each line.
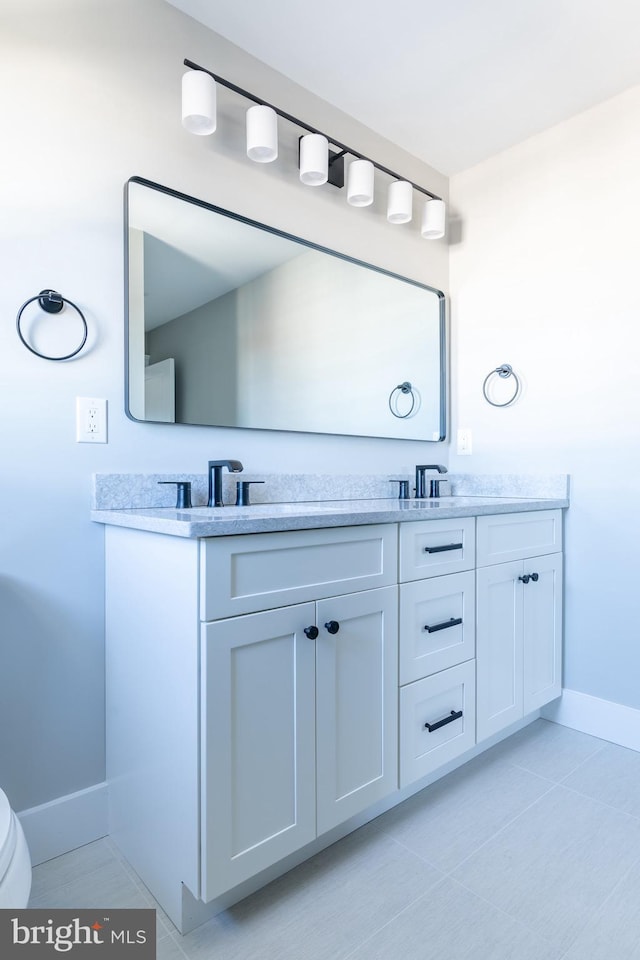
(516,536)
(433,547)
(245,574)
(437,624)
(430,701)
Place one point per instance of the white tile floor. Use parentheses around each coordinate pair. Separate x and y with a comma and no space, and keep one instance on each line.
(529,852)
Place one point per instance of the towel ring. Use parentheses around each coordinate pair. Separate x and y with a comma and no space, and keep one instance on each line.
(505,370)
(394,396)
(51,302)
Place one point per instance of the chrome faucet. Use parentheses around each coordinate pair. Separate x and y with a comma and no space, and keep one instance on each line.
(215,479)
(421,483)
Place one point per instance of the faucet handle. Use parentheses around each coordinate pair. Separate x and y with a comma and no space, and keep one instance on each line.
(183,493)
(403,489)
(242,495)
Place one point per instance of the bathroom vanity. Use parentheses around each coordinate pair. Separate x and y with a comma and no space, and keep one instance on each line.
(278,675)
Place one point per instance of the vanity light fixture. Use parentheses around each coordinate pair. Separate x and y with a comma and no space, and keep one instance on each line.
(433,219)
(360,183)
(314,159)
(262,134)
(400,202)
(198,102)
(318,163)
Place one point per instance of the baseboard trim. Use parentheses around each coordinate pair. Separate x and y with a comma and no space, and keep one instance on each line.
(600,718)
(65,823)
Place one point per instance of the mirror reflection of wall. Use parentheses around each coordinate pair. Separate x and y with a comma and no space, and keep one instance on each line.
(272,333)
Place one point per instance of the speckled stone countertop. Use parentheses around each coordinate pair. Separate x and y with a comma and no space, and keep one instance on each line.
(268,517)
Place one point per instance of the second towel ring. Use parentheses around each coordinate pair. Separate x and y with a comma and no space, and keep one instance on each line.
(394,396)
(505,370)
(52,302)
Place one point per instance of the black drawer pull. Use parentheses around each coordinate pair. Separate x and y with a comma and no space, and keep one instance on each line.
(535,577)
(332,626)
(453,622)
(311,632)
(454,715)
(525,579)
(446,546)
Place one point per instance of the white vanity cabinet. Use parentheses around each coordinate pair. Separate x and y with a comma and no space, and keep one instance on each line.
(519,616)
(437,644)
(298,702)
(268,723)
(268,692)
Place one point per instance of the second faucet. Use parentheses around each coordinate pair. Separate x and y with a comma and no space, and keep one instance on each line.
(421,480)
(215,479)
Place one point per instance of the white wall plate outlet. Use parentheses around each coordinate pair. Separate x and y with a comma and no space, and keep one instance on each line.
(91,420)
(465,443)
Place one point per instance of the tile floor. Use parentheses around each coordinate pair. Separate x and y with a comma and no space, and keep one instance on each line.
(529,852)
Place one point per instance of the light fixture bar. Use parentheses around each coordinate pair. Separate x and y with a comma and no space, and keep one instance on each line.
(305,126)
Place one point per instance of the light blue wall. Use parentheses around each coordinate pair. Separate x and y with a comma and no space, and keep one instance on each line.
(545,277)
(91,98)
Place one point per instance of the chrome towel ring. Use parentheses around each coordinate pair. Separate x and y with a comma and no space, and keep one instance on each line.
(52,302)
(405,388)
(505,370)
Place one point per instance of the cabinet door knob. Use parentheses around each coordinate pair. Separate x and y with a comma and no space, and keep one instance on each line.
(525,579)
(311,632)
(332,626)
(535,577)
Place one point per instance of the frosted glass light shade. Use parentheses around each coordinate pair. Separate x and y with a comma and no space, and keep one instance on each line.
(314,159)
(360,183)
(433,220)
(262,134)
(400,202)
(198,102)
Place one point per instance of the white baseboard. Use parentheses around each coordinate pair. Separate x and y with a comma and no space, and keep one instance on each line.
(66,823)
(600,718)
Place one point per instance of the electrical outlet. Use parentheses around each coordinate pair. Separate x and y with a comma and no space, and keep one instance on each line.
(91,420)
(465,443)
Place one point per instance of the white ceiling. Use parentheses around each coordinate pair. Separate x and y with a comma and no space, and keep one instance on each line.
(451,81)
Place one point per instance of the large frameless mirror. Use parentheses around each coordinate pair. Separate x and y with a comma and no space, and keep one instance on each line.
(231,323)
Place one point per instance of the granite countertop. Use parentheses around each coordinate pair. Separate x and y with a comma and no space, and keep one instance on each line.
(268,517)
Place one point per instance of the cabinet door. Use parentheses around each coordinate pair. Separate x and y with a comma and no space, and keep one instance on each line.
(357,703)
(518,640)
(542,611)
(499,647)
(258,743)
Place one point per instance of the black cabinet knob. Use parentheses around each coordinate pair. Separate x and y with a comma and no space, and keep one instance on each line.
(311,632)
(332,626)
(530,576)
